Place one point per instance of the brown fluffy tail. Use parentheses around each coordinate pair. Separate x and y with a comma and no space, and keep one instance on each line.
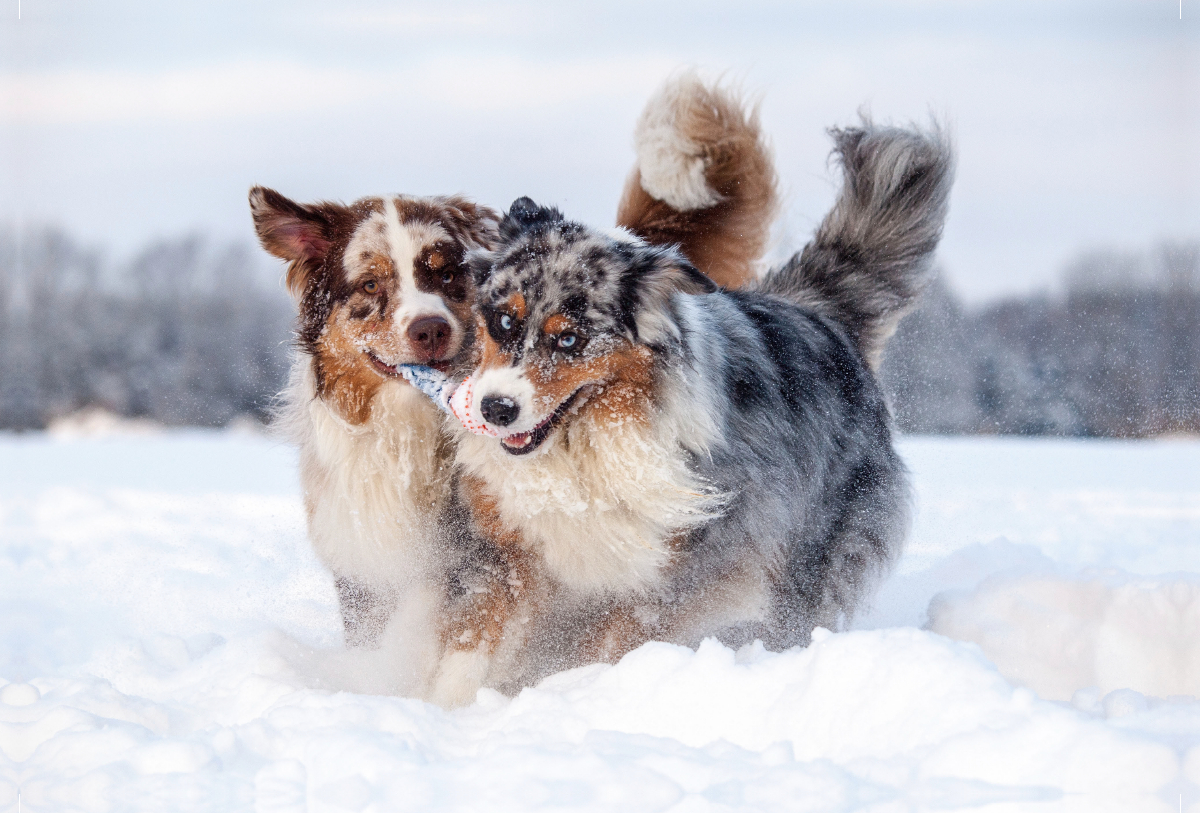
(704,179)
(870,258)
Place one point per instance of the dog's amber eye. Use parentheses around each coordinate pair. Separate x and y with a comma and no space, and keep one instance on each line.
(447,277)
(370,286)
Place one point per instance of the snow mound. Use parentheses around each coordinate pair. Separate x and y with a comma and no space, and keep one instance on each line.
(1059,635)
(97,422)
(885,720)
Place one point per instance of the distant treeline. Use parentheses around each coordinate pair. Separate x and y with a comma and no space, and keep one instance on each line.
(184,334)
(191,334)
(1116,354)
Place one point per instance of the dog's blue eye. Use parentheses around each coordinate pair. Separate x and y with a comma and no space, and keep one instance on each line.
(566,341)
(505,322)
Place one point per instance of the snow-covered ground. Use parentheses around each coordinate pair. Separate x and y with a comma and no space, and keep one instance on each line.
(169,643)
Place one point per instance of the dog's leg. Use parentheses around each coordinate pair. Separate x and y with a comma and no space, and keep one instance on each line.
(365,612)
(496,597)
(485,628)
(460,676)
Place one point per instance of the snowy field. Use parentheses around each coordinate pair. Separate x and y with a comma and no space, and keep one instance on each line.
(169,643)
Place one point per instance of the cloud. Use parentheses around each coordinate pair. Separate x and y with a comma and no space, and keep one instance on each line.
(410,20)
(234,89)
(468,83)
(505,82)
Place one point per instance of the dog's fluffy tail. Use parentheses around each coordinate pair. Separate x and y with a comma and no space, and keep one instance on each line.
(704,179)
(871,257)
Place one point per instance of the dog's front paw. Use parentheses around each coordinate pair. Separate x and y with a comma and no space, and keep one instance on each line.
(460,676)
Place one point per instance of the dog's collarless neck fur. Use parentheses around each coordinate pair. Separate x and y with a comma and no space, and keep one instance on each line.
(604,500)
(372,490)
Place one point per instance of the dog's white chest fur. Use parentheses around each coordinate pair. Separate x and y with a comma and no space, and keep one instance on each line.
(373,492)
(601,507)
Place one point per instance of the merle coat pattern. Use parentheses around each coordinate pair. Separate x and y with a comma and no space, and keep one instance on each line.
(677,461)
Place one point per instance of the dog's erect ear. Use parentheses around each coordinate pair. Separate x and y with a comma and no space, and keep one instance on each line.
(648,283)
(289,230)
(294,232)
(474,226)
(525,215)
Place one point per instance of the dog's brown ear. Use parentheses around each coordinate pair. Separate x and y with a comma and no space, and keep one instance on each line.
(473,225)
(292,231)
(289,230)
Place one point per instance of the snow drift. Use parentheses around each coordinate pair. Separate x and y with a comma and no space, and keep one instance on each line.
(168,642)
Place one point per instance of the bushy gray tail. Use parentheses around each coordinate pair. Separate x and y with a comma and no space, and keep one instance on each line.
(871,257)
(704,179)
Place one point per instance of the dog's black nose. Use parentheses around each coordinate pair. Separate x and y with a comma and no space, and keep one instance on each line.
(499,410)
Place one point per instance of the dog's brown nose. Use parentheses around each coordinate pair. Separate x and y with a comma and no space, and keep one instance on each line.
(429,337)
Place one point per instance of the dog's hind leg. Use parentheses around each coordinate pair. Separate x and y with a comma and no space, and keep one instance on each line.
(829,579)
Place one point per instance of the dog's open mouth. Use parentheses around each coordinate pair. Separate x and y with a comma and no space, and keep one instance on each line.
(526,442)
(389,370)
(379,365)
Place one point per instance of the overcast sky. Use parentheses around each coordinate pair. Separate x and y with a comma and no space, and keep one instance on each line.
(1077,123)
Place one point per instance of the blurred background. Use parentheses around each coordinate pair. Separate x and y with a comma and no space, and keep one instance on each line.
(1069,297)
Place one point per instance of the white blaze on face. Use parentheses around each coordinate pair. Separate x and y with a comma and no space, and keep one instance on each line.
(382,234)
(505,382)
(405,242)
